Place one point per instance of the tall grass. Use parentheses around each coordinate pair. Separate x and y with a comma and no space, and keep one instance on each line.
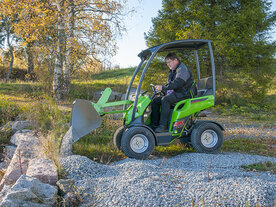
(49,122)
(10,111)
(52,124)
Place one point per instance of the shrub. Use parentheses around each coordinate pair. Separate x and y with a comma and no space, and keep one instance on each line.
(48,117)
(16,73)
(9,111)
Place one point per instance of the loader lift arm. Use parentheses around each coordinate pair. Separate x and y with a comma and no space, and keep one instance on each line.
(102,103)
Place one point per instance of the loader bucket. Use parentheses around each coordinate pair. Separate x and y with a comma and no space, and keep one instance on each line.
(84,119)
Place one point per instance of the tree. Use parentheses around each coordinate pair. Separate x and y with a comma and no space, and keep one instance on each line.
(239,30)
(79,30)
(29,21)
(83,25)
(7,35)
(88,26)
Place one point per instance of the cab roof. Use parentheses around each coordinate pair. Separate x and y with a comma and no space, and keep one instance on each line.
(178,44)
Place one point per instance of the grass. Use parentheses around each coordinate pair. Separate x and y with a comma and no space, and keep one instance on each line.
(5,135)
(114,74)
(265,147)
(261,166)
(53,117)
(98,145)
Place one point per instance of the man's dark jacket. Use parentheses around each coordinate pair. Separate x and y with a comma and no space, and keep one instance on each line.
(180,80)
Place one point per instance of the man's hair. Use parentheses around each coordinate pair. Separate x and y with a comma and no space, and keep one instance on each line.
(171,56)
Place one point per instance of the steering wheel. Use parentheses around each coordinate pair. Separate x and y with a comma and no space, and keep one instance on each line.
(155,92)
(144,93)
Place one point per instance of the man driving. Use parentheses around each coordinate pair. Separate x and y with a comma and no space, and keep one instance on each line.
(180,86)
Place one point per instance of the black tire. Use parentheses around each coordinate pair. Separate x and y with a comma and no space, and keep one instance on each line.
(137,143)
(207,137)
(185,140)
(117,137)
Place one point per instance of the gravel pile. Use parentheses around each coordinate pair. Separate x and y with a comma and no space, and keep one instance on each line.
(191,179)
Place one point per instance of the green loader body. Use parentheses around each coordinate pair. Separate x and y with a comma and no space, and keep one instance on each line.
(136,138)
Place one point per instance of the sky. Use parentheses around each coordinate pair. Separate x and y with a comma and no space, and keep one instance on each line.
(138,23)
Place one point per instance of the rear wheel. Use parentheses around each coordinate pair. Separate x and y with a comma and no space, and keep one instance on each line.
(207,137)
(117,137)
(137,142)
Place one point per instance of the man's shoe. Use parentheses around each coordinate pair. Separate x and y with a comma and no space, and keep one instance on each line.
(153,126)
(161,128)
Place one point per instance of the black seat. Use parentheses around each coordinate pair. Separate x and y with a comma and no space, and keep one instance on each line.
(205,87)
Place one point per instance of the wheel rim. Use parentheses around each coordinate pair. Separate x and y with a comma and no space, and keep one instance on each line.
(139,143)
(209,138)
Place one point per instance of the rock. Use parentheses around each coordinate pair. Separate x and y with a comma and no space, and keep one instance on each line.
(131,94)
(29,191)
(9,151)
(19,162)
(123,97)
(25,135)
(66,185)
(20,125)
(43,169)
(66,144)
(68,192)
(71,200)
(4,192)
(115,96)
(97,95)
(3,165)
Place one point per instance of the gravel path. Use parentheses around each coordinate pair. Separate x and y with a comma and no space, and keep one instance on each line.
(190,179)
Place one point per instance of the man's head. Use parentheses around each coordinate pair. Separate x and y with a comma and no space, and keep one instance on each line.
(172,60)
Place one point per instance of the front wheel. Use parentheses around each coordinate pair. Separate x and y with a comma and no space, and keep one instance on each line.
(207,137)
(117,137)
(137,143)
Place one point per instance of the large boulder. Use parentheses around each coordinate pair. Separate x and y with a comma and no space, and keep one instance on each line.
(113,96)
(20,125)
(29,191)
(4,192)
(69,192)
(43,169)
(9,151)
(23,135)
(3,165)
(66,185)
(97,95)
(19,163)
(131,95)
(66,144)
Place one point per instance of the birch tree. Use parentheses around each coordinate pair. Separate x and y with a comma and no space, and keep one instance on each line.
(80,31)
(7,36)
(90,27)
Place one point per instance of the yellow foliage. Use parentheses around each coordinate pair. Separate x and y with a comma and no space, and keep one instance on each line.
(30,19)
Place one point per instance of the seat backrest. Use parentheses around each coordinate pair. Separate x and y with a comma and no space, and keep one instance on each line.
(205,87)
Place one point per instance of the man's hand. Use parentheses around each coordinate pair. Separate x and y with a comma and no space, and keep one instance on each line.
(158,87)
